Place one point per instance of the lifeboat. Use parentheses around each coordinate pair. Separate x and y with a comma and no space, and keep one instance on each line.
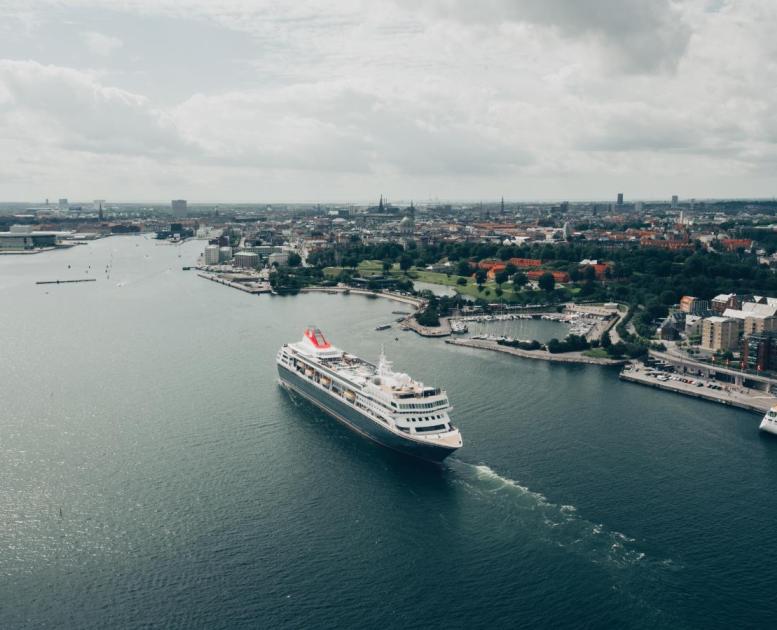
(349,395)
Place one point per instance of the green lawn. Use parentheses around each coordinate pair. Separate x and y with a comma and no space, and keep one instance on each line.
(365,267)
(597,353)
(432,277)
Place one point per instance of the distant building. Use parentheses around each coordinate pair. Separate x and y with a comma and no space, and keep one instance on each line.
(179,207)
(755,318)
(693,324)
(97,204)
(212,255)
(264,251)
(558,276)
(670,328)
(733,244)
(723,301)
(279,258)
(22,237)
(759,352)
(694,305)
(719,333)
(63,204)
(620,199)
(675,201)
(525,263)
(246,260)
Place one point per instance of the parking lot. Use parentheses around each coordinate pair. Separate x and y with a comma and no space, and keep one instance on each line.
(662,377)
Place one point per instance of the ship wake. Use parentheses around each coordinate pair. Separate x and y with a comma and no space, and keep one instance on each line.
(554,524)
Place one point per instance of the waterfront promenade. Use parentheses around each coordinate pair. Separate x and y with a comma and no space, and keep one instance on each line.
(405,299)
(541,355)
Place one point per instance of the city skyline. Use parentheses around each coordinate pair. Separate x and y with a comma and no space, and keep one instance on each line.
(533,101)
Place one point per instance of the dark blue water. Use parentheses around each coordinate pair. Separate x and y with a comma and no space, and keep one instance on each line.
(196,493)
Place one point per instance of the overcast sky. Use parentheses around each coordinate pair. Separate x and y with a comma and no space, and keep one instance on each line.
(271,100)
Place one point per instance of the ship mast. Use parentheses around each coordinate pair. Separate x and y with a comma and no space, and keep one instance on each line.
(384,365)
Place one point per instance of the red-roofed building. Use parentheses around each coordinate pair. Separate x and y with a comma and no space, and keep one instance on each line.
(488,265)
(525,263)
(558,276)
(670,245)
(733,244)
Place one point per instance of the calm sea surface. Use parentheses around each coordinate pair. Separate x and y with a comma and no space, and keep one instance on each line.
(152,474)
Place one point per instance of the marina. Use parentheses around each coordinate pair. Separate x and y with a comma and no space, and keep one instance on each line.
(578,322)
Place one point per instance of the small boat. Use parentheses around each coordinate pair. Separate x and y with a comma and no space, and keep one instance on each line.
(383,327)
(458,327)
(769,422)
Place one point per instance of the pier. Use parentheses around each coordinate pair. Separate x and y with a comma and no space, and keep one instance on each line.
(248,288)
(66,281)
(443,330)
(729,394)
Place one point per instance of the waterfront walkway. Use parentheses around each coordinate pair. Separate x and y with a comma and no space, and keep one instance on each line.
(405,299)
(542,355)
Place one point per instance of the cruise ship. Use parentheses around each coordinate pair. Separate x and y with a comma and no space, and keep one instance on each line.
(769,422)
(387,407)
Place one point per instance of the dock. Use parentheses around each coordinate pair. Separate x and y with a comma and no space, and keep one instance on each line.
(749,399)
(443,330)
(66,281)
(255,290)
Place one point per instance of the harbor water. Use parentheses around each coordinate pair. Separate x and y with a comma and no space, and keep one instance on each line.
(155,475)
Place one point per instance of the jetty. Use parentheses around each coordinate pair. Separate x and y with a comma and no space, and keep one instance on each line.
(254,288)
(66,281)
(443,330)
(541,355)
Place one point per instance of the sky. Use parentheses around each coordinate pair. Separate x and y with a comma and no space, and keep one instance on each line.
(344,100)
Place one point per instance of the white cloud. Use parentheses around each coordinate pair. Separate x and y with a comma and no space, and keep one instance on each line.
(100,44)
(61,107)
(552,98)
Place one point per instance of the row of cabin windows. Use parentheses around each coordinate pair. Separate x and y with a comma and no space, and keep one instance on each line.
(436,427)
(418,406)
(421,419)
